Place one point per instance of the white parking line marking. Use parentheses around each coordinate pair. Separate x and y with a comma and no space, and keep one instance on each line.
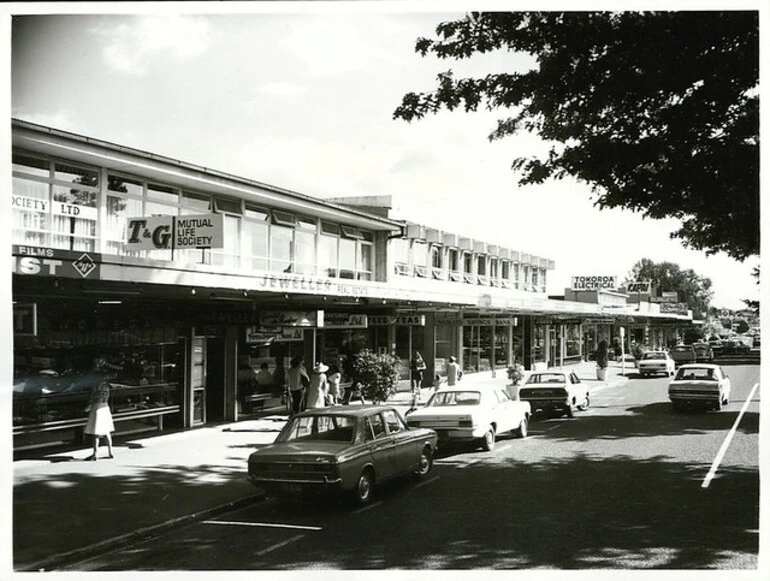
(279,545)
(726,443)
(367,507)
(424,482)
(260,524)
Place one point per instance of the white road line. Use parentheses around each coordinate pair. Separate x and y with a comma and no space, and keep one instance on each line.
(279,545)
(260,524)
(726,443)
(367,507)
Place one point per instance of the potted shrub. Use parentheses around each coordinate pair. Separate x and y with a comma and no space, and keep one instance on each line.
(602,360)
(515,373)
(378,374)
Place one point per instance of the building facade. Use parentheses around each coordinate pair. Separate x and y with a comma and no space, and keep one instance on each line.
(181,276)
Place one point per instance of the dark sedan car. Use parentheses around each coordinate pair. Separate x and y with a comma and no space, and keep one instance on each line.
(335,449)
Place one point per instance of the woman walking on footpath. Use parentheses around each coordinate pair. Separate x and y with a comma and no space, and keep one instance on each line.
(417,366)
(334,379)
(316,393)
(297,379)
(99,416)
(453,373)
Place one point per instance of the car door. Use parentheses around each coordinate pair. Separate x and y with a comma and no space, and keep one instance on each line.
(504,411)
(405,451)
(380,445)
(577,390)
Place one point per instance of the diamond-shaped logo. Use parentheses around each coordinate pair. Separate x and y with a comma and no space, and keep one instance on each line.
(85,265)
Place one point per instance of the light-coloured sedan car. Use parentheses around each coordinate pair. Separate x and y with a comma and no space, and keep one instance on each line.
(700,384)
(555,392)
(654,362)
(332,449)
(472,414)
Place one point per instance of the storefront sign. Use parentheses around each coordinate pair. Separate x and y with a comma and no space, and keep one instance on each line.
(294,283)
(257,335)
(411,320)
(674,308)
(598,321)
(345,321)
(641,287)
(57,207)
(288,319)
(502,322)
(175,232)
(25,320)
(31,260)
(594,282)
(667,297)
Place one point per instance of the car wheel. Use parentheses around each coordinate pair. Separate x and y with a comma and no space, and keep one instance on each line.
(364,486)
(426,463)
(585,404)
(570,411)
(489,440)
(522,430)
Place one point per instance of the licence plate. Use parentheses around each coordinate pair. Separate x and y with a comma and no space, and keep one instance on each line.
(292,488)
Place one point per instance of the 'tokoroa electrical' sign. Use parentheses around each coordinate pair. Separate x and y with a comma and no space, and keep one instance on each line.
(175,232)
(594,282)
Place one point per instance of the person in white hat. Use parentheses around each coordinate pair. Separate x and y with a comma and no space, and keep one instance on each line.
(319,386)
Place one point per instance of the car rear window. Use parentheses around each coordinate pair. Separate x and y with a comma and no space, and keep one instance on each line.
(447,398)
(329,428)
(547,378)
(696,374)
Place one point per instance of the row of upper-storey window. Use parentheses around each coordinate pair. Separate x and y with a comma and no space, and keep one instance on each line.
(64,205)
(429,260)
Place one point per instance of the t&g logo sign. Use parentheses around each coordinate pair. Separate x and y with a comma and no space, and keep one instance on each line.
(151,233)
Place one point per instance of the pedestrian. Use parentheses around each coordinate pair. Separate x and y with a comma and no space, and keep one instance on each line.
(246,380)
(453,373)
(264,378)
(298,380)
(100,422)
(334,377)
(417,367)
(316,392)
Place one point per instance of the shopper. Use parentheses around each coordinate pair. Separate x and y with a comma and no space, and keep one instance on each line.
(264,378)
(100,422)
(417,367)
(297,381)
(334,377)
(316,392)
(453,373)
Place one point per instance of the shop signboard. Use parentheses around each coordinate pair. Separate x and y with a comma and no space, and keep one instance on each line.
(345,321)
(594,282)
(639,287)
(674,308)
(289,318)
(666,297)
(175,232)
(261,336)
(36,261)
(488,322)
(287,282)
(408,320)
(25,320)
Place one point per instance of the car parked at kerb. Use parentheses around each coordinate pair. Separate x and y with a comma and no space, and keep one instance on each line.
(683,354)
(700,384)
(341,450)
(468,414)
(555,393)
(654,362)
(704,353)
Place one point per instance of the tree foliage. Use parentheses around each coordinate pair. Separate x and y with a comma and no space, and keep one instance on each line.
(378,374)
(692,289)
(657,111)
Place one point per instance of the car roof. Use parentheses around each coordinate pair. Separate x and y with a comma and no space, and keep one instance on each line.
(356,410)
(699,366)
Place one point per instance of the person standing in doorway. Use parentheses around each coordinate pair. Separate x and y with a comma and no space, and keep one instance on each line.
(316,392)
(297,380)
(453,373)
(417,367)
(100,422)
(334,377)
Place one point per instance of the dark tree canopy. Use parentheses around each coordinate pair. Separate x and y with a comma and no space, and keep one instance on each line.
(657,111)
(693,290)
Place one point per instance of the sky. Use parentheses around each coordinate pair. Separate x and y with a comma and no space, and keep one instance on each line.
(302,98)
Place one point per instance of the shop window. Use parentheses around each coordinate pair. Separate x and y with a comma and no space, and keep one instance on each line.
(516,271)
(74,218)
(366,262)
(31,219)
(420,258)
(347,258)
(304,252)
(280,248)
(119,208)
(76,175)
(468,270)
(327,256)
(505,273)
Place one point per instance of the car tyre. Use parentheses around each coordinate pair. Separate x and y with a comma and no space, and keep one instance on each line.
(363,490)
(585,404)
(488,441)
(522,430)
(426,463)
(570,411)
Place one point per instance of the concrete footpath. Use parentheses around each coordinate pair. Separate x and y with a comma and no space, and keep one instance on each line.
(66,508)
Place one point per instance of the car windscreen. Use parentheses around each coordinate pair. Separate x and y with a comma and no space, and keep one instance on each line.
(695,374)
(448,398)
(319,428)
(547,378)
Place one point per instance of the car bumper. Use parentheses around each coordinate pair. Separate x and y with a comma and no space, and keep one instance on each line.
(694,396)
(653,369)
(548,403)
(297,487)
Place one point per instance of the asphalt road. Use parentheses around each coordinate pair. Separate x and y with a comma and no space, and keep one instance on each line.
(627,484)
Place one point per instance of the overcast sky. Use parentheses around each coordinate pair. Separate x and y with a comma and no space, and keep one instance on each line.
(303,99)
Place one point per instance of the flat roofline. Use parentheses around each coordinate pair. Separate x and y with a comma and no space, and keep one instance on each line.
(393,224)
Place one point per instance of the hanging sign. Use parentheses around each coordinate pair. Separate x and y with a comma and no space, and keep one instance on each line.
(288,318)
(411,320)
(345,321)
(640,286)
(175,232)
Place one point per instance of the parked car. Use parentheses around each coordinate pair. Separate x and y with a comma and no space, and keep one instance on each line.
(471,414)
(555,392)
(683,354)
(336,450)
(734,347)
(703,352)
(703,384)
(653,362)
